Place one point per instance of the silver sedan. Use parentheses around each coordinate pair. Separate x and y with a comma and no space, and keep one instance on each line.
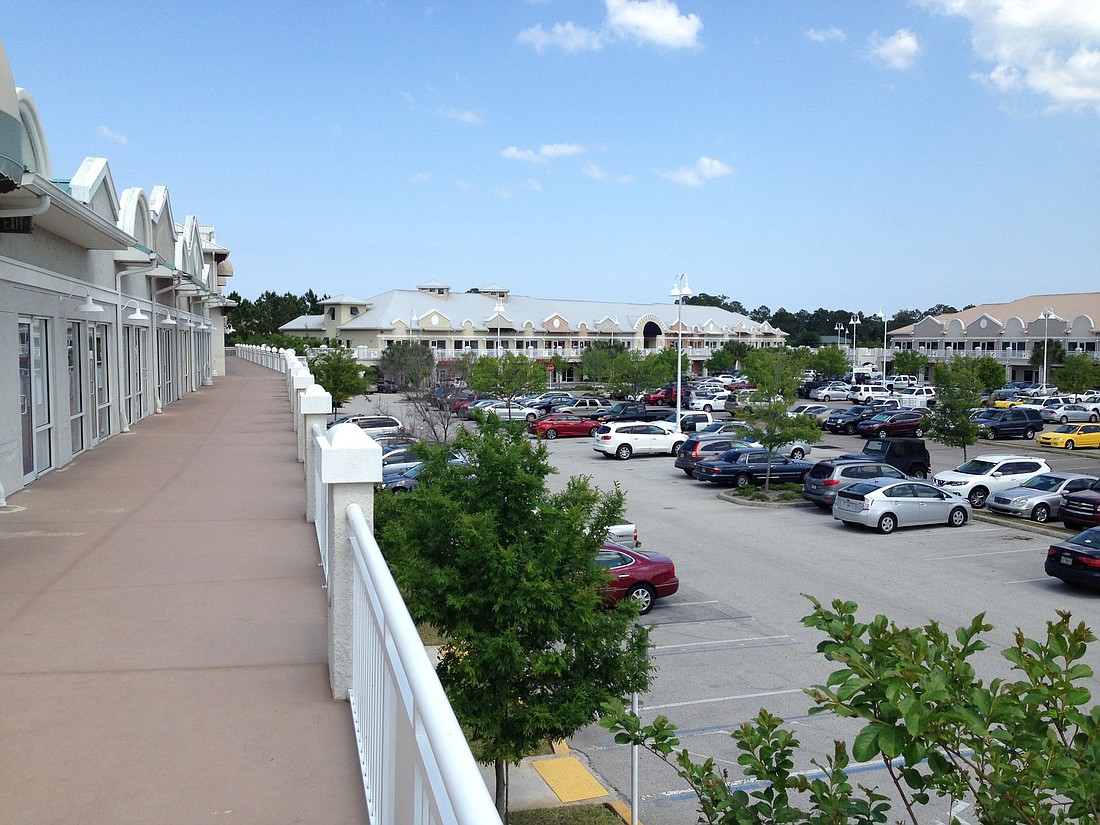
(886,504)
(1066,413)
(1038,497)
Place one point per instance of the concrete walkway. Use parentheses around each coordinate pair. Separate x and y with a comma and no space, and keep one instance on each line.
(162,629)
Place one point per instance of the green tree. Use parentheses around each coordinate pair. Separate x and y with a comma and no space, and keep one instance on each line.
(909,362)
(1025,750)
(634,373)
(1055,355)
(408,364)
(597,362)
(956,395)
(989,373)
(729,357)
(506,571)
(829,361)
(506,376)
(339,373)
(776,373)
(1078,373)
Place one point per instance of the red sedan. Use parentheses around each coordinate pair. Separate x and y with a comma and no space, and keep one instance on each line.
(637,575)
(555,424)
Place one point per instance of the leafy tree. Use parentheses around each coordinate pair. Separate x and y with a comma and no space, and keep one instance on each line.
(776,373)
(829,361)
(597,362)
(989,372)
(1055,354)
(408,364)
(730,356)
(1078,373)
(956,395)
(909,362)
(1024,750)
(506,376)
(505,570)
(940,309)
(635,372)
(721,301)
(760,314)
(337,371)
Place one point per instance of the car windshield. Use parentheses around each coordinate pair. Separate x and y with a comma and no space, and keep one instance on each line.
(976,467)
(881,417)
(1089,538)
(1065,428)
(1046,483)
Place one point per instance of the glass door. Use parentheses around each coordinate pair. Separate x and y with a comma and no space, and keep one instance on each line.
(36,430)
(101,386)
(75,355)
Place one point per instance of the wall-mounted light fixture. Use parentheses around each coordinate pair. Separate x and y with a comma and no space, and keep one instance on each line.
(89,305)
(168,320)
(230,329)
(137,314)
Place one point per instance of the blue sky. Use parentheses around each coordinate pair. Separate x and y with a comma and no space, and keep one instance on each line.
(789,154)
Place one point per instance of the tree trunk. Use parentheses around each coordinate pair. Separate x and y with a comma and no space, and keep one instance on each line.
(501,797)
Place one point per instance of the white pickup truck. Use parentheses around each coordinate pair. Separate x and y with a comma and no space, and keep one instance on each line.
(917,397)
(624,534)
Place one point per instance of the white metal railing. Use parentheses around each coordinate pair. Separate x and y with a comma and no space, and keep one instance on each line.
(416,763)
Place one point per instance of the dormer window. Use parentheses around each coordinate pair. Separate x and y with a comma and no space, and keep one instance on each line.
(355,310)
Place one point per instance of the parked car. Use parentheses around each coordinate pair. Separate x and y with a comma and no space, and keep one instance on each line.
(690,422)
(1015,422)
(909,455)
(886,504)
(511,411)
(745,466)
(979,477)
(846,421)
(1038,497)
(830,476)
(561,424)
(899,382)
(866,393)
(897,422)
(1065,413)
(634,574)
(832,391)
(917,397)
(546,401)
(1081,509)
(1076,560)
(405,480)
(708,402)
(583,406)
(1039,390)
(627,438)
(818,412)
(373,424)
(1011,401)
(1071,436)
(704,445)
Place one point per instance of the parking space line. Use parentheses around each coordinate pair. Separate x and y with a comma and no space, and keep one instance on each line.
(735,698)
(723,642)
(1033,549)
(682,622)
(1028,581)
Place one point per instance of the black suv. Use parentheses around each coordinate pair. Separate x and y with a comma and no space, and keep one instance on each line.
(906,454)
(1013,422)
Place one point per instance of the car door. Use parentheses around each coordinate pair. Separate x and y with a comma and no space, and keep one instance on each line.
(933,504)
(902,501)
(618,574)
(1015,473)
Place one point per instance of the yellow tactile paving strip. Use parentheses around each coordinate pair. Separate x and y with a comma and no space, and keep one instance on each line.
(569,779)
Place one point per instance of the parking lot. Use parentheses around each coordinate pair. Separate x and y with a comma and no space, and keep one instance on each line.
(731,642)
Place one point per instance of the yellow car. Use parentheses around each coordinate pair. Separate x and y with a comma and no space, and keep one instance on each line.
(1012,402)
(1071,436)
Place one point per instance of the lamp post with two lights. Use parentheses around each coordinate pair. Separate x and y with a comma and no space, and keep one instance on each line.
(854,323)
(680,290)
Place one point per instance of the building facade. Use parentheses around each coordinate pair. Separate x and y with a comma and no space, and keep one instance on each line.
(1008,332)
(109,308)
(490,320)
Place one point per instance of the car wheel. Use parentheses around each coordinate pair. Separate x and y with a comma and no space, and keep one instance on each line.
(1070,445)
(1029,433)
(741,480)
(850,429)
(798,453)
(643,596)
(531,416)
(593,430)
(990,433)
(708,408)
(919,432)
(957,517)
(1064,419)
(887,524)
(977,497)
(1041,513)
(550,434)
(624,451)
(918,472)
(688,473)
(676,447)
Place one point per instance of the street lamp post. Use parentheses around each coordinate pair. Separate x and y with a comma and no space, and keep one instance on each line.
(412,324)
(1047,314)
(680,290)
(498,310)
(882,314)
(839,332)
(854,322)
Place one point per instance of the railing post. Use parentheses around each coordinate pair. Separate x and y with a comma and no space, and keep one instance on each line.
(316,406)
(351,464)
(300,380)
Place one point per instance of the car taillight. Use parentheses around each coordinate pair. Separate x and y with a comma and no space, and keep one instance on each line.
(1052,551)
(605,438)
(1089,561)
(831,482)
(695,449)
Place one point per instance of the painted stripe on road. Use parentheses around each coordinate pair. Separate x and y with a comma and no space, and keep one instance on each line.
(723,642)
(734,698)
(979,555)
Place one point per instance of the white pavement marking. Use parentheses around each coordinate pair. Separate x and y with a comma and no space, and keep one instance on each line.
(1032,549)
(723,699)
(723,642)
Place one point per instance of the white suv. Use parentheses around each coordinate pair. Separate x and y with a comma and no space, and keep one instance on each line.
(624,439)
(866,393)
(986,474)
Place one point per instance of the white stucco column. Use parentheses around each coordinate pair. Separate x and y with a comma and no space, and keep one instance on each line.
(351,464)
(316,404)
(300,380)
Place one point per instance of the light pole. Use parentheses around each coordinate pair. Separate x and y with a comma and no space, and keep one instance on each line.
(680,290)
(882,314)
(839,332)
(854,322)
(412,323)
(498,310)
(1046,314)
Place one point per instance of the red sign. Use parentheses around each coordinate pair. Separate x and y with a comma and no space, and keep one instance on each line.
(549,367)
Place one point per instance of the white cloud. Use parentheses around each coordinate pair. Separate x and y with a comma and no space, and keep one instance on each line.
(420,177)
(462,117)
(832,34)
(1051,48)
(595,172)
(545,153)
(656,22)
(704,169)
(534,185)
(898,51)
(111,135)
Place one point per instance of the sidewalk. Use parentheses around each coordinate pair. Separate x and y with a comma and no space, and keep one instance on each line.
(162,629)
